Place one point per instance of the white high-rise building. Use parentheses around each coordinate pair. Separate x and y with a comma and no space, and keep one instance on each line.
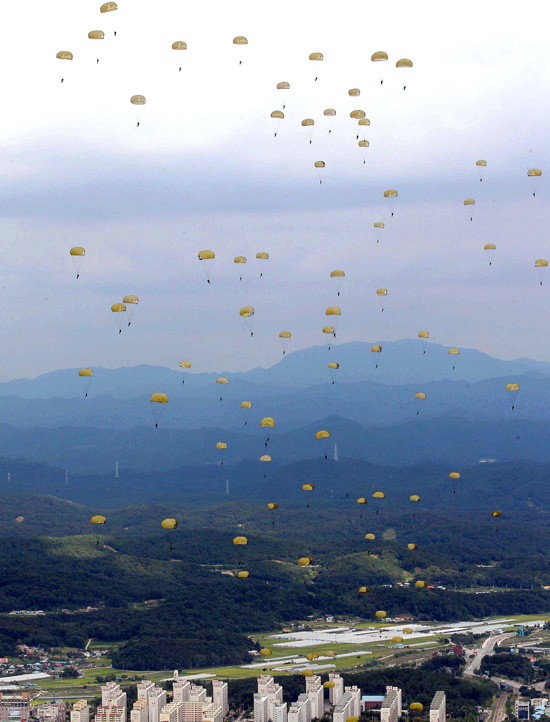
(192,711)
(336,692)
(220,695)
(140,711)
(294,714)
(111,692)
(180,690)
(391,706)
(264,681)
(438,707)
(274,694)
(144,688)
(356,698)
(172,712)
(197,693)
(344,708)
(316,693)
(260,708)
(156,701)
(212,713)
(80,711)
(280,712)
(110,713)
(304,703)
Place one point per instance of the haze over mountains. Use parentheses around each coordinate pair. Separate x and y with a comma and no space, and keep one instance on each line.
(370,412)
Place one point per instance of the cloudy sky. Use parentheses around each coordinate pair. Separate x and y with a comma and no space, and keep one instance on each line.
(204,170)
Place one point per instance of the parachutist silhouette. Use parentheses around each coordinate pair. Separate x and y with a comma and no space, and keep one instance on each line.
(97,543)
(251,334)
(261,274)
(156,426)
(376,366)
(97,62)
(315,78)
(62,79)
(540,282)
(275,134)
(114,33)
(171,549)
(417,413)
(326,456)
(240,62)
(333,383)
(534,196)
(86,396)
(265,476)
(329,348)
(137,126)
(183,381)
(453,368)
(330,131)
(220,398)
(364,162)
(245,423)
(129,324)
(404,87)
(513,407)
(208,280)
(471,219)
(392,214)
(307,506)
(356,137)
(179,70)
(119,331)
(320,182)
(381,81)
(284,353)
(78,276)
(310,142)
(423,352)
(338,292)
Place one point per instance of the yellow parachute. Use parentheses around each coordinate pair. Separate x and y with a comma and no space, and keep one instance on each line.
(454,475)
(407,630)
(246,404)
(308,487)
(240,541)
(86,372)
(283,85)
(370,537)
(169,523)
(323,434)
(262,255)
(98,519)
(64,55)
(311,656)
(379,56)
(376,349)
(354,92)
(361,500)
(411,547)
(541,263)
(358,114)
(222,380)
(159,398)
(305,561)
(246,311)
(489,247)
(329,684)
(416,706)
(534,173)
(206,255)
(179,45)
(221,445)
(333,311)
(378,495)
(496,513)
(423,334)
(272,505)
(404,63)
(265,457)
(380,614)
(420,584)
(420,395)
(363,590)
(108,7)
(316,56)
(397,640)
(469,202)
(414,497)
(391,193)
(185,364)
(243,575)
(307,673)
(512,387)
(118,308)
(334,365)
(266,652)
(337,274)
(268,422)
(240,40)
(454,352)
(96,35)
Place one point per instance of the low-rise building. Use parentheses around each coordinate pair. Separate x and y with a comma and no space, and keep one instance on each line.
(521,708)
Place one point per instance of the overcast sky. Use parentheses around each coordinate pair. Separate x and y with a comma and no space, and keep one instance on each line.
(204,170)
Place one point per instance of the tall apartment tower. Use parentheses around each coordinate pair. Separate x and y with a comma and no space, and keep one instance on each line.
(336,692)
(260,708)
(80,711)
(220,695)
(140,711)
(156,701)
(181,689)
(111,692)
(438,707)
(280,712)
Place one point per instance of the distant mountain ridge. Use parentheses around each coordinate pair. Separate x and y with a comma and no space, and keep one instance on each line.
(401,362)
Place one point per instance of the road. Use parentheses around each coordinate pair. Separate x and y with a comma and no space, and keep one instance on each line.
(488,645)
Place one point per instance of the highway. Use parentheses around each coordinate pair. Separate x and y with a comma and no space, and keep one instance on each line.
(488,645)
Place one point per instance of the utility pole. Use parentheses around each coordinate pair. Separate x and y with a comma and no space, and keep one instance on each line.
(227,487)
(116,469)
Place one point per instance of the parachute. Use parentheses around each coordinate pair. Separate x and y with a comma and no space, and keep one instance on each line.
(453,352)
(266,652)
(338,277)
(320,166)
(411,547)
(361,500)
(407,630)
(454,475)
(131,301)
(262,256)
(308,487)
(420,584)
(512,387)
(268,422)
(329,114)
(277,116)
(243,575)
(159,402)
(322,434)
(470,203)
(481,164)
(380,614)
(370,537)
(240,541)
(307,673)
(308,124)
(138,100)
(283,86)
(64,55)
(305,561)
(414,497)
(118,308)
(404,63)
(179,45)
(420,395)
(246,313)
(285,337)
(397,640)
(363,590)
(316,57)
(541,264)
(108,7)
(221,445)
(240,260)
(169,523)
(378,495)
(96,35)
(77,254)
(207,256)
(272,505)
(414,706)
(382,293)
(86,375)
(378,57)
(489,247)
(358,114)
(496,514)
(376,349)
(98,519)
(223,381)
(354,92)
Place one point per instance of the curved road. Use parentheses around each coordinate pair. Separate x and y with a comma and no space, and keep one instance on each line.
(488,645)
